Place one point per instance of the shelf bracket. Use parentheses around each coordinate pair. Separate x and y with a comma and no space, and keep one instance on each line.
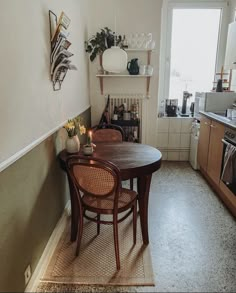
(148,84)
(149,57)
(101,84)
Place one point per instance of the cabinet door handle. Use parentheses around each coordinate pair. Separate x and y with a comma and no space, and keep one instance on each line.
(206,123)
(213,126)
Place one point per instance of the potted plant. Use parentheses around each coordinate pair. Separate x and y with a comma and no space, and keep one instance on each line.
(98,43)
(73,126)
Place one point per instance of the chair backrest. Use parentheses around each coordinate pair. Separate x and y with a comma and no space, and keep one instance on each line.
(94,176)
(107,133)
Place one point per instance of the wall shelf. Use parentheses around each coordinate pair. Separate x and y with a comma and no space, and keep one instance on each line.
(102,76)
(123,75)
(226,78)
(148,51)
(139,50)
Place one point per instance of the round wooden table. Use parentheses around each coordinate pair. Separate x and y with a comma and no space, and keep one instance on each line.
(134,161)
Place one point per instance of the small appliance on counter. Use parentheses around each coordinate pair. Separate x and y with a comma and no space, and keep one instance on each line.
(213,101)
(192,109)
(171,107)
(186,96)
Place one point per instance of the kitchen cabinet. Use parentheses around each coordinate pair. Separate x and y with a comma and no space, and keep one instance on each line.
(203,143)
(210,148)
(210,156)
(215,151)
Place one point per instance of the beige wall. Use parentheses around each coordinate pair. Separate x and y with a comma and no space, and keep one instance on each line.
(26,90)
(33,190)
(132,16)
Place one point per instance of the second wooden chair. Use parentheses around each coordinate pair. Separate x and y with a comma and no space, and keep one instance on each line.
(109,133)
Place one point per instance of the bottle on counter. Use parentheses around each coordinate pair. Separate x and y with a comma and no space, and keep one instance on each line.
(115,113)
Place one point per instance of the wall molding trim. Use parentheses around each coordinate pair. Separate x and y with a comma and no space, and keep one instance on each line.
(28,148)
(49,249)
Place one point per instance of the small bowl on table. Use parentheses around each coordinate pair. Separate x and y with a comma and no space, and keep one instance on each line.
(87,149)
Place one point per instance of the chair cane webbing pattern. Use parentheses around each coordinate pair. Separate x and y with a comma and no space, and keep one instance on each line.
(94,180)
(126,196)
(107,135)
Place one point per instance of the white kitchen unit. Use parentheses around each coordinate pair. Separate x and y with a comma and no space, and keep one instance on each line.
(213,101)
(194,145)
(173,137)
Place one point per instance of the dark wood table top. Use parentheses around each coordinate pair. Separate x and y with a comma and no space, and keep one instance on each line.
(133,159)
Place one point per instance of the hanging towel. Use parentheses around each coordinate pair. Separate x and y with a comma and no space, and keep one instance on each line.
(229,164)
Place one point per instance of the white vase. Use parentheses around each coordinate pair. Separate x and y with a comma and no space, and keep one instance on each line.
(72,144)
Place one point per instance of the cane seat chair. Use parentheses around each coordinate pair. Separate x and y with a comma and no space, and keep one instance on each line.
(109,133)
(98,187)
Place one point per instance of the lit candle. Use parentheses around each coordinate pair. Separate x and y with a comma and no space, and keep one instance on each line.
(89,137)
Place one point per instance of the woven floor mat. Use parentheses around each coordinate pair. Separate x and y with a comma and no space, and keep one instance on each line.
(96,263)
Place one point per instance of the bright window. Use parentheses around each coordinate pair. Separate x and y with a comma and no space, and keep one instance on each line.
(193,39)
(193,50)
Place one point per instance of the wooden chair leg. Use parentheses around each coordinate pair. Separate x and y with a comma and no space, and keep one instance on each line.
(131,182)
(135,222)
(80,232)
(116,242)
(98,224)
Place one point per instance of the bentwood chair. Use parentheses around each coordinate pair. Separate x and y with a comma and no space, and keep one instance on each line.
(98,187)
(109,133)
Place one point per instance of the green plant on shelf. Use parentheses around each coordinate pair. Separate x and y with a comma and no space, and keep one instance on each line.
(103,40)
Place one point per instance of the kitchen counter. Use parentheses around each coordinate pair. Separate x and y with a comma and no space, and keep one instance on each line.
(220,118)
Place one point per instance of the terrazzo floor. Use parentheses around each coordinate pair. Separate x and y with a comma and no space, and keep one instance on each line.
(192,236)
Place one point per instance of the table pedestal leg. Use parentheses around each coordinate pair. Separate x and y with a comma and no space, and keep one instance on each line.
(143,197)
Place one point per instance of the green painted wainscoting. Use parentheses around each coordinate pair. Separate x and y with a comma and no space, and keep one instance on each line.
(33,194)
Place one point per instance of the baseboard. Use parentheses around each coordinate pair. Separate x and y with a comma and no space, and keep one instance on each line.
(49,249)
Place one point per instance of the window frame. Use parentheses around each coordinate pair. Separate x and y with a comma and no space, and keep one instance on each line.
(166,33)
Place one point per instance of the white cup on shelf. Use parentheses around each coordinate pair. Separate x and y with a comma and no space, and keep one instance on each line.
(149,70)
(142,69)
(148,39)
(152,45)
